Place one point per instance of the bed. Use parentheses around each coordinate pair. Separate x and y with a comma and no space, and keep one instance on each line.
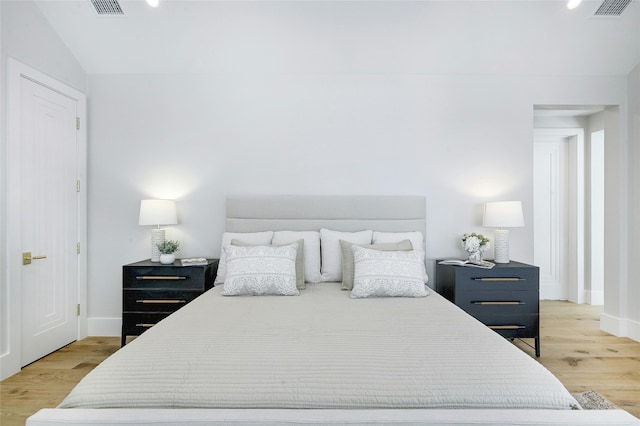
(322,356)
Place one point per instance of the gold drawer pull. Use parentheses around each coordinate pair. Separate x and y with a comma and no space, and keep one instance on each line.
(507,327)
(498,279)
(498,303)
(160,277)
(145,325)
(161,301)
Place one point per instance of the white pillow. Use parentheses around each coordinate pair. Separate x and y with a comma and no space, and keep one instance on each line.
(311,250)
(261,270)
(254,238)
(387,273)
(416,238)
(332,254)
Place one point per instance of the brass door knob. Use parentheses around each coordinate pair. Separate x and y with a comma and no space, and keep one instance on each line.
(27,258)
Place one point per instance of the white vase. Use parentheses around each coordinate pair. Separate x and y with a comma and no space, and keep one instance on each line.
(167,259)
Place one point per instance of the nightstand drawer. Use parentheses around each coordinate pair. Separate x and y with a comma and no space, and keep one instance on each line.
(521,333)
(189,278)
(496,279)
(498,302)
(135,322)
(522,324)
(157,301)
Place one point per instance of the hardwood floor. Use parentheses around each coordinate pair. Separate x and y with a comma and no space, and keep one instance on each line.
(583,357)
(47,381)
(573,348)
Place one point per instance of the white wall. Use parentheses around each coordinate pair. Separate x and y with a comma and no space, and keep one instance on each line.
(27,37)
(633,301)
(4,318)
(596,273)
(460,140)
(595,209)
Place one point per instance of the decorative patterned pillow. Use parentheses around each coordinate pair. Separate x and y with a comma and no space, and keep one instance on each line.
(300,284)
(388,273)
(416,238)
(261,270)
(256,238)
(347,257)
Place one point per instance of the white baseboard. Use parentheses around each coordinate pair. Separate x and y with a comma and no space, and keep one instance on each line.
(9,365)
(633,328)
(105,326)
(621,327)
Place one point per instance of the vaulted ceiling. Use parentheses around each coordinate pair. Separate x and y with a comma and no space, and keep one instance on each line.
(394,36)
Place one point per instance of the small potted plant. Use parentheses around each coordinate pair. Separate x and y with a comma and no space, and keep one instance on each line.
(475,245)
(167,251)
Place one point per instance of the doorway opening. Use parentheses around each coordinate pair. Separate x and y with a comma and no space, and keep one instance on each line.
(569,169)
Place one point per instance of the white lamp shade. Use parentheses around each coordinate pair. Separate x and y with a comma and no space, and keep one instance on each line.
(503,214)
(158,212)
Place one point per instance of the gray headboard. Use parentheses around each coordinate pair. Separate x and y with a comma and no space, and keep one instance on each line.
(387,213)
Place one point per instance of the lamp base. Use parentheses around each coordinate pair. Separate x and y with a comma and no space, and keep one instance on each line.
(157,237)
(501,246)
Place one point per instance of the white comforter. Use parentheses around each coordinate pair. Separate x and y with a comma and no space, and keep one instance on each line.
(320,350)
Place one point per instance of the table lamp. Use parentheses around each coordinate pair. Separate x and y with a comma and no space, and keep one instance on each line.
(157,212)
(502,214)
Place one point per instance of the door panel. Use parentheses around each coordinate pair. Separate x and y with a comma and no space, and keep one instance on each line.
(49,220)
(550,236)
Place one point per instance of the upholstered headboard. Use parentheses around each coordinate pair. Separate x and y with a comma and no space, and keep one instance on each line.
(387,213)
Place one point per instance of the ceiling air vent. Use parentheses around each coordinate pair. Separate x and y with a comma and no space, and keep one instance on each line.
(612,7)
(107,7)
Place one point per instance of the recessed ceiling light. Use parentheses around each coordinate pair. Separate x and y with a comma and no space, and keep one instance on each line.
(571,5)
(153,3)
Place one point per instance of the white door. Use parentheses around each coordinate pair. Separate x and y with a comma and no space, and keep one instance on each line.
(49,220)
(549,218)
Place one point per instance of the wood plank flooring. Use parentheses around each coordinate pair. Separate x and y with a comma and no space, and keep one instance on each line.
(583,357)
(573,348)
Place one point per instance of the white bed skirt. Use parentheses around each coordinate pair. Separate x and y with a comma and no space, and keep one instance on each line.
(168,417)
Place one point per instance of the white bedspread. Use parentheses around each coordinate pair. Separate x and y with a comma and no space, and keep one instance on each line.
(320,350)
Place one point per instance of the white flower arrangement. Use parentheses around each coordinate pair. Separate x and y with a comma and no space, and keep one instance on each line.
(475,245)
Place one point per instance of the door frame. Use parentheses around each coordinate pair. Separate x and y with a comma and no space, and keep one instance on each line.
(575,255)
(12,307)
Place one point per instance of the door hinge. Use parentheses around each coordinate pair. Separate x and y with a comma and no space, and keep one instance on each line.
(78,248)
(77,186)
(78,123)
(78,310)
